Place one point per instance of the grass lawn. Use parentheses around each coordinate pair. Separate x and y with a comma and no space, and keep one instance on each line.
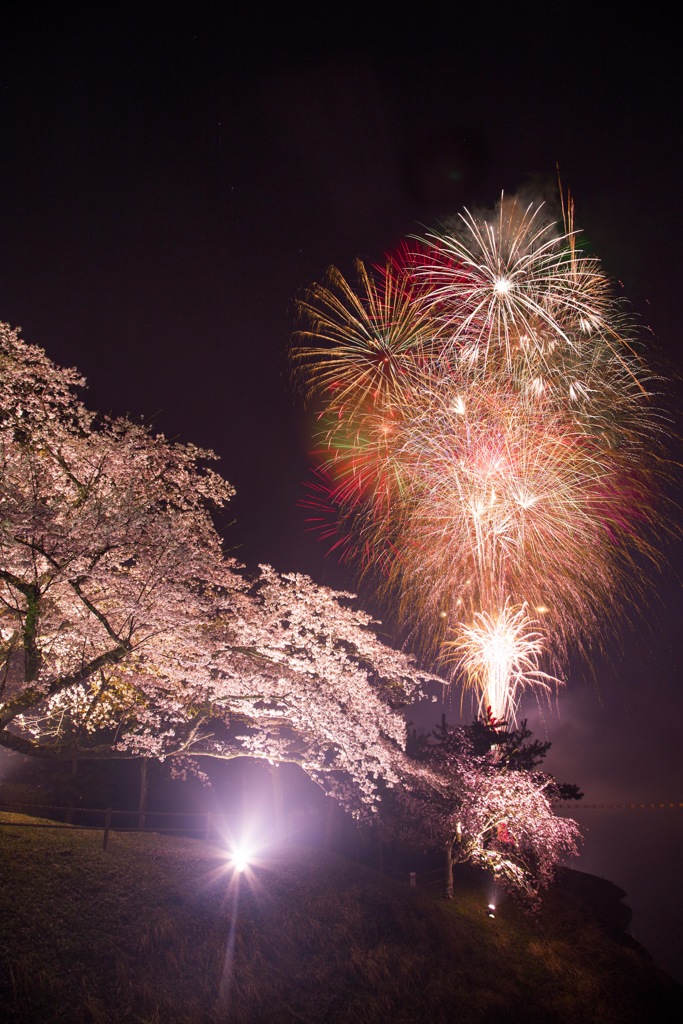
(158,929)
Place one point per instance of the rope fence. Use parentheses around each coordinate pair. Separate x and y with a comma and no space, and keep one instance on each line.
(207,825)
(580,806)
(128,821)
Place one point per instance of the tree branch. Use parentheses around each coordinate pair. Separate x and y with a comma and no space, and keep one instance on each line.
(31,697)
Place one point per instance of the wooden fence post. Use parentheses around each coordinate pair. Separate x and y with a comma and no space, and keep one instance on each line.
(107,826)
(69,816)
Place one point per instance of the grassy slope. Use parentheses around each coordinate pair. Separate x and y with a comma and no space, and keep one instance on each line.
(153,931)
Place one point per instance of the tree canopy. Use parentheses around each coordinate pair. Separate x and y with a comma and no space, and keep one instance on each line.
(125,628)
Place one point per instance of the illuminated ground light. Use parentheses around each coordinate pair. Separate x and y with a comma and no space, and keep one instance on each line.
(239,859)
(243,848)
(491,910)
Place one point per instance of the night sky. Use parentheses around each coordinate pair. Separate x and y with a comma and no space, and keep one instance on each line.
(173,175)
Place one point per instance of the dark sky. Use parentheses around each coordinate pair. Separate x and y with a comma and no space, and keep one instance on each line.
(173,174)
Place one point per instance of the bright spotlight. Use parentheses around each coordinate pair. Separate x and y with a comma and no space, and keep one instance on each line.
(240,860)
(491,910)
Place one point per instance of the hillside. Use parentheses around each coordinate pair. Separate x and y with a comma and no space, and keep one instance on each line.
(158,930)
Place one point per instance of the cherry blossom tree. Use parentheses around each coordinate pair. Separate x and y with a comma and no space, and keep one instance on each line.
(125,631)
(107,548)
(124,628)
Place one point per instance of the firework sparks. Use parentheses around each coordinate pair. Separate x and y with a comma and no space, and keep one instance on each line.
(500,655)
(486,428)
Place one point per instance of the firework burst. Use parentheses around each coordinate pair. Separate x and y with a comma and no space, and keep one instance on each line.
(500,654)
(486,433)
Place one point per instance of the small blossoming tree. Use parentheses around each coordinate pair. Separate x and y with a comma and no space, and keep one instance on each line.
(490,811)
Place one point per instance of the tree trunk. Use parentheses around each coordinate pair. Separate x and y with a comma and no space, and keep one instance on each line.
(448,876)
(380,852)
(330,821)
(144,789)
(278,802)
